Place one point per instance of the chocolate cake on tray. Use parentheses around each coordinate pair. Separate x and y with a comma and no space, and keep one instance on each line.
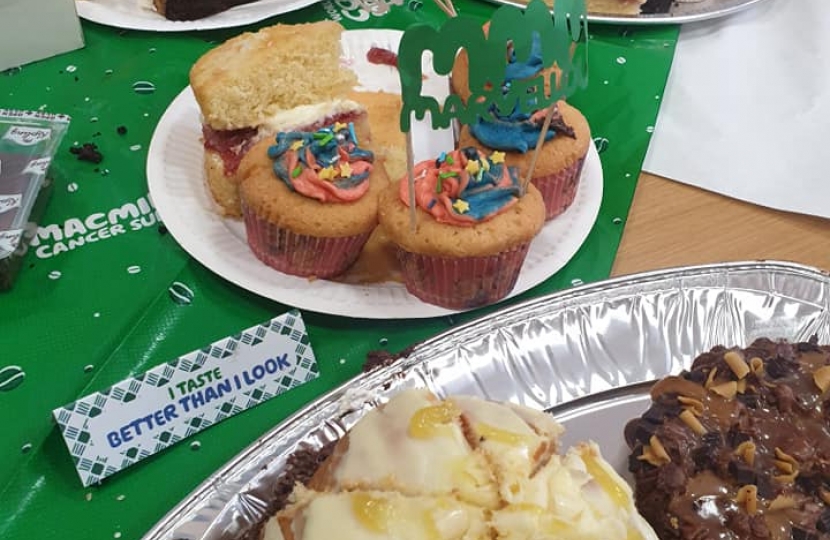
(738,447)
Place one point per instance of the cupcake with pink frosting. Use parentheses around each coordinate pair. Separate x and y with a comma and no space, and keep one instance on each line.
(473,228)
(309,199)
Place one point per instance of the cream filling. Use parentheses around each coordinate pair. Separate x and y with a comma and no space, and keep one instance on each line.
(383,454)
(306,115)
(509,438)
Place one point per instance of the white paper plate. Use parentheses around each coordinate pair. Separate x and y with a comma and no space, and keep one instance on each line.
(176,180)
(678,13)
(139,14)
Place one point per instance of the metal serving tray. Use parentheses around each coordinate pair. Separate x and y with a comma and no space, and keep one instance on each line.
(679,12)
(587,353)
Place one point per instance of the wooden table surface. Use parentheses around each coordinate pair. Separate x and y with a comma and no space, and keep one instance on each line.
(672,224)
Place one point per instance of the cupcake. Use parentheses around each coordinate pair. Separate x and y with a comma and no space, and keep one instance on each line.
(473,228)
(559,164)
(310,201)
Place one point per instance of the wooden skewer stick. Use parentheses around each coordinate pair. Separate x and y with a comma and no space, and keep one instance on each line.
(539,143)
(447,7)
(410,175)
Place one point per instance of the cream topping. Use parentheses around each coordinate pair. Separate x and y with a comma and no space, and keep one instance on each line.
(510,443)
(383,454)
(463,469)
(378,515)
(271,530)
(307,115)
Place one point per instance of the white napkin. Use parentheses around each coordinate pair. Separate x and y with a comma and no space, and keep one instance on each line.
(746,112)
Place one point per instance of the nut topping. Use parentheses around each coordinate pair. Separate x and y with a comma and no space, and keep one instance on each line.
(821,377)
(691,420)
(655,453)
(748,496)
(737,364)
(746,450)
(727,389)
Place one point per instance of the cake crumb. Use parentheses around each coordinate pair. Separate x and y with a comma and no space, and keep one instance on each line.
(381,358)
(87,152)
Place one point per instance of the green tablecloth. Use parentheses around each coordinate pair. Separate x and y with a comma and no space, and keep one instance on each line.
(79,320)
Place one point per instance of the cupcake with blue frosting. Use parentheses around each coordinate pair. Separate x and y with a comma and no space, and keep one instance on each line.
(515,132)
(474,226)
(309,199)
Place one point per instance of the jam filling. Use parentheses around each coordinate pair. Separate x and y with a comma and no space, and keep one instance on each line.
(382,57)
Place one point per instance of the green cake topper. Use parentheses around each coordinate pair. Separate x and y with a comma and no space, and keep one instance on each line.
(559,37)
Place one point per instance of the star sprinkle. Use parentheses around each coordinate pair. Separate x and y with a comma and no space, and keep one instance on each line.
(340,125)
(497,157)
(296,145)
(461,206)
(327,173)
(345,170)
(472,167)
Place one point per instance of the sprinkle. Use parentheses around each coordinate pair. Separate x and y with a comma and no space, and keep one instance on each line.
(439,186)
(319,135)
(296,145)
(461,206)
(497,157)
(472,167)
(442,157)
(340,125)
(325,140)
(297,171)
(327,173)
(352,134)
(485,164)
(450,160)
(345,170)
(447,174)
